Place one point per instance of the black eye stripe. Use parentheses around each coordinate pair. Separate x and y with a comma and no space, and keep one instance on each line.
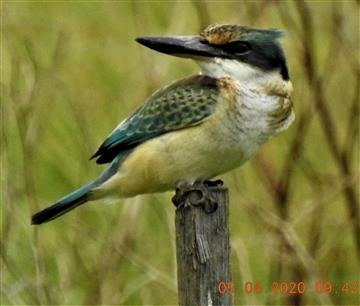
(264,54)
(236,47)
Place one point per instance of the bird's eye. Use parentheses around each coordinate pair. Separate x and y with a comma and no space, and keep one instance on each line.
(237,47)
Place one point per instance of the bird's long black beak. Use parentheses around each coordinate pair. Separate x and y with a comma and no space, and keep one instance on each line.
(182,46)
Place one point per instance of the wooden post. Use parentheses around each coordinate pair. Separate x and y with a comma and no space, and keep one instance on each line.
(202,245)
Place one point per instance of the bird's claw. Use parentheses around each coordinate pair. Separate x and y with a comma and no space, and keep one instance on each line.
(197,194)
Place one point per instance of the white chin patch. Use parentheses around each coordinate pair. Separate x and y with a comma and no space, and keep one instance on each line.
(220,67)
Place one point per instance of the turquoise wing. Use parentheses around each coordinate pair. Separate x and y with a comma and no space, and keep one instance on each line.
(180,105)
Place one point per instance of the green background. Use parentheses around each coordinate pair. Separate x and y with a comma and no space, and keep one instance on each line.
(71,70)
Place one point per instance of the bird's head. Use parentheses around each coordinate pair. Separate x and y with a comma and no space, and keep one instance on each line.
(228,50)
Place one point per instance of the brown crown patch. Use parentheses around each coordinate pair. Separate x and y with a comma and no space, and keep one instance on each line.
(218,34)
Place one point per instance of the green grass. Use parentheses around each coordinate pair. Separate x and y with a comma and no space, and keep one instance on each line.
(71,70)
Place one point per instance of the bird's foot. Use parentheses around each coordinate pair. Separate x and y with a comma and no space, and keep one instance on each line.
(197,194)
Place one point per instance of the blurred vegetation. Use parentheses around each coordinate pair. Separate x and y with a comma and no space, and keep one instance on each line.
(71,70)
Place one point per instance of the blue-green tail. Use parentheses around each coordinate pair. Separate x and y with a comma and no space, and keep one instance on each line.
(62,206)
(77,197)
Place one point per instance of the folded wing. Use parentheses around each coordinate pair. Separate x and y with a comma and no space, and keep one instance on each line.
(180,105)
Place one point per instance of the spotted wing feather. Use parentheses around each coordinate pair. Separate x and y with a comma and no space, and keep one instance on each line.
(182,104)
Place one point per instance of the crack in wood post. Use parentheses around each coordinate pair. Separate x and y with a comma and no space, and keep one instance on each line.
(202,246)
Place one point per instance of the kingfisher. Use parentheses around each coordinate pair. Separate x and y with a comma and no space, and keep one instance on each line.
(199,127)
